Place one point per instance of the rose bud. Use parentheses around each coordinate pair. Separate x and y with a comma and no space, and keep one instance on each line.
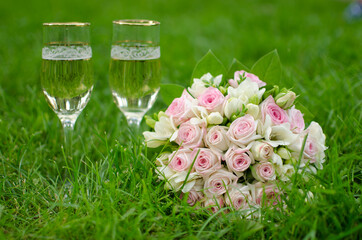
(215,118)
(285,100)
(284,153)
(253,110)
(261,151)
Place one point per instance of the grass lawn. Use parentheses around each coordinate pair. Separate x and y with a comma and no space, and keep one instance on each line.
(112,191)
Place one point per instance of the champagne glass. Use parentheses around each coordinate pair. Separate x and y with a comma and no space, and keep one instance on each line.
(135,68)
(66,72)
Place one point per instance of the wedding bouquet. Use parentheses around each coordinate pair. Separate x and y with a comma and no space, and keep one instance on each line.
(229,139)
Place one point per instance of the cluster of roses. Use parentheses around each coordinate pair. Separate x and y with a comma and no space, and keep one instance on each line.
(232,143)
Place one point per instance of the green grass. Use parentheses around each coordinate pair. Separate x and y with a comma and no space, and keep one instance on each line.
(112,190)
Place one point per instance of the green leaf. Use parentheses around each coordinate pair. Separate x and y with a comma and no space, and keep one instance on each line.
(208,64)
(307,115)
(170,91)
(268,68)
(235,66)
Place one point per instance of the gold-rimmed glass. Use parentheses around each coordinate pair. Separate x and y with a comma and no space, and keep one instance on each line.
(135,68)
(66,72)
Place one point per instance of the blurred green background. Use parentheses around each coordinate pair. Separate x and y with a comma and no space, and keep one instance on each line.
(302,31)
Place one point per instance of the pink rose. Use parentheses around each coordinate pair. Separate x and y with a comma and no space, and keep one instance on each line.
(214,203)
(216,138)
(315,144)
(180,109)
(233,83)
(194,195)
(311,149)
(296,120)
(212,99)
(239,197)
(238,160)
(314,147)
(243,130)
(218,182)
(276,113)
(251,76)
(180,160)
(206,161)
(262,151)
(267,195)
(264,171)
(190,135)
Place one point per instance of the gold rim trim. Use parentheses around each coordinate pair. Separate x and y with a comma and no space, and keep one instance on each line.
(137,22)
(60,43)
(73,24)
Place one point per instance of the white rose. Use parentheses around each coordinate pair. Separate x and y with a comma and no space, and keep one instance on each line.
(262,151)
(276,159)
(163,131)
(200,115)
(199,85)
(175,180)
(246,89)
(162,160)
(253,110)
(314,146)
(284,153)
(232,105)
(276,135)
(317,138)
(285,172)
(215,118)
(216,138)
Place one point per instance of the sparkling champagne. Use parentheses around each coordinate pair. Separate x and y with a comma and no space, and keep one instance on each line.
(67,82)
(135,75)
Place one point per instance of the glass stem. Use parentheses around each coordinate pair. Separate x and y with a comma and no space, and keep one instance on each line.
(68,127)
(134,124)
